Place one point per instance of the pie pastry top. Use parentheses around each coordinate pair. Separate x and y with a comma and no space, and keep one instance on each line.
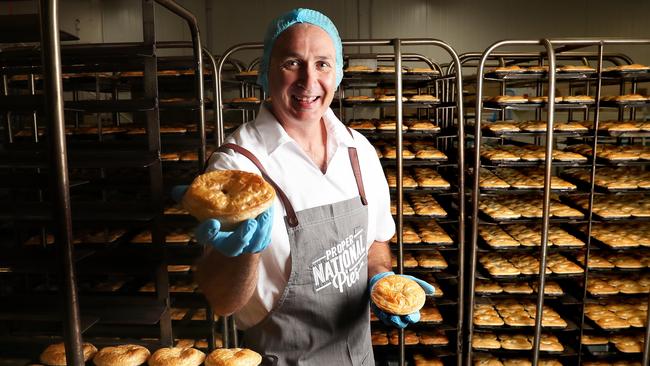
(398,295)
(230,196)
(233,357)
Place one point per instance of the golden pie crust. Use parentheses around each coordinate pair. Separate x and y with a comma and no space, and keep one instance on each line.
(398,295)
(123,355)
(233,357)
(230,196)
(54,354)
(176,356)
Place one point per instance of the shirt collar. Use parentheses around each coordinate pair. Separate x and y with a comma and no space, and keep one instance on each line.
(275,136)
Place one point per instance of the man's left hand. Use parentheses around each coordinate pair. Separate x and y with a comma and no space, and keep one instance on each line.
(398,321)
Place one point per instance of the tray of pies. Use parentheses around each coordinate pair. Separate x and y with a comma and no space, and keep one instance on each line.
(626,71)
(417,150)
(419,204)
(524,266)
(430,261)
(532,127)
(600,285)
(423,234)
(504,342)
(504,101)
(617,314)
(243,103)
(513,313)
(610,207)
(612,179)
(613,262)
(613,154)
(512,208)
(421,337)
(619,236)
(526,236)
(619,128)
(410,127)
(626,100)
(522,179)
(418,178)
(527,154)
(490,288)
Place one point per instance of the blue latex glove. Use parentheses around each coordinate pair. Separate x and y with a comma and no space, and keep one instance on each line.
(398,321)
(251,236)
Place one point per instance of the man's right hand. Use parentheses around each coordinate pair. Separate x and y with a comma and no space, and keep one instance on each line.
(251,236)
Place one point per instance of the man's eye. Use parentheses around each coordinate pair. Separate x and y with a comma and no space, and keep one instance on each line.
(291,64)
(323,65)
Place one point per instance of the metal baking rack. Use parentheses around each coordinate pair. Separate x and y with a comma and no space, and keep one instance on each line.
(552,51)
(153,310)
(450,107)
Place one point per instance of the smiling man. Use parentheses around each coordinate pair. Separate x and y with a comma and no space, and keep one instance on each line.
(298,277)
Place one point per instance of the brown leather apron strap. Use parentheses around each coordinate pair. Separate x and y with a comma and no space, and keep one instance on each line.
(354,160)
(292,219)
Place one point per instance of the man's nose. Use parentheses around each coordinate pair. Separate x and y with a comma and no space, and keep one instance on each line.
(307,76)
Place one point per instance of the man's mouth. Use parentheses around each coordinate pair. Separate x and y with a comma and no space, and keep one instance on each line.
(305,99)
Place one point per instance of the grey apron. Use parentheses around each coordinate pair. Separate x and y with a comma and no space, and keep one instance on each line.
(322,317)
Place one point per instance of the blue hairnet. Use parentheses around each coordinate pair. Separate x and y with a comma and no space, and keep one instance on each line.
(281,23)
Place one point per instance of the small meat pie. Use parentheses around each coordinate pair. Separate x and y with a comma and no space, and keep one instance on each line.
(124,355)
(230,196)
(176,356)
(233,357)
(54,354)
(398,295)
(508,99)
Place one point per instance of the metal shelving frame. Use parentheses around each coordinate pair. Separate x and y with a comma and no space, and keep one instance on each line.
(53,93)
(553,49)
(456,81)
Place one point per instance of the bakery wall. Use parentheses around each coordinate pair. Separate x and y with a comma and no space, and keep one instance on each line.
(467,25)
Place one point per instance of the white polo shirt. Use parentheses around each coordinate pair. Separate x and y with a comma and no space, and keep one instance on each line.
(306,187)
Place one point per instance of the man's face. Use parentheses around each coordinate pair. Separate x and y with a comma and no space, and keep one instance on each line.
(302,74)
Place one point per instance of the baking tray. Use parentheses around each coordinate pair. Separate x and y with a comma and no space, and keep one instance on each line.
(624,104)
(567,352)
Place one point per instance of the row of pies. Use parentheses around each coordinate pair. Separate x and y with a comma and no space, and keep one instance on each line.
(516,207)
(176,235)
(515,314)
(519,99)
(515,264)
(527,235)
(132,354)
(613,152)
(600,285)
(616,206)
(424,232)
(628,235)
(510,153)
(113,130)
(389,70)
(618,178)
(81,236)
(488,287)
(428,314)
(618,314)
(612,126)
(518,342)
(430,259)
(568,68)
(417,149)
(619,260)
(423,337)
(192,314)
(525,178)
(175,286)
(423,177)
(419,204)
(569,99)
(626,343)
(489,360)
(391,125)
(418,98)
(189,155)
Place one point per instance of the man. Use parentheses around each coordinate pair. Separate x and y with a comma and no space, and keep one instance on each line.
(296,278)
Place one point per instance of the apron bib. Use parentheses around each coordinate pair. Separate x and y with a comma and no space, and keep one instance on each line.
(323,315)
